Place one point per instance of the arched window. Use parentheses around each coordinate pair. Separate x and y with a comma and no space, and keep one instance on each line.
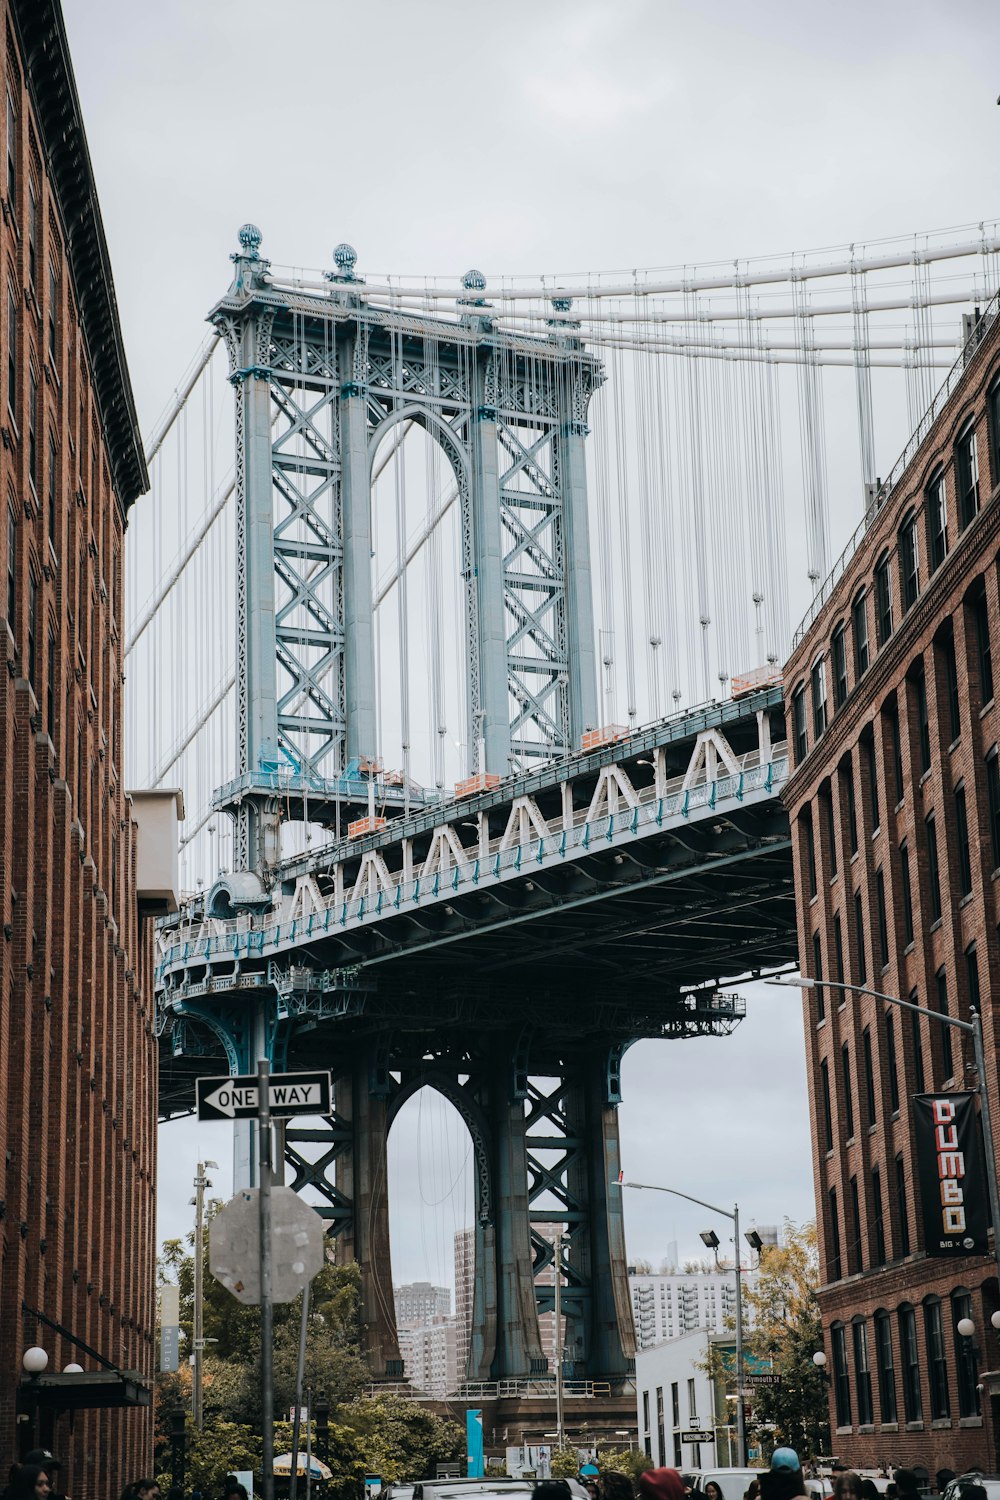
(818,683)
(937,1364)
(993,418)
(883,599)
(800,735)
(909,560)
(841,1380)
(859,625)
(966,1362)
(967,476)
(912,1404)
(886,1368)
(862,1371)
(936,521)
(838,661)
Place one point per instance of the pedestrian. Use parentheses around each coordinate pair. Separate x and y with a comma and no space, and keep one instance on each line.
(847,1485)
(869,1490)
(662,1484)
(713,1491)
(551,1489)
(616,1486)
(906,1484)
(52,1467)
(30,1483)
(943,1478)
(752,1490)
(784,1479)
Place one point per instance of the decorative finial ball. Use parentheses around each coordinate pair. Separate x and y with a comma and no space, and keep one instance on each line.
(250,238)
(819,1359)
(562,304)
(345,257)
(474,281)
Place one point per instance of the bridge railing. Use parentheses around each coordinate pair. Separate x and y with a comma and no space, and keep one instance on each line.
(499,1390)
(248,936)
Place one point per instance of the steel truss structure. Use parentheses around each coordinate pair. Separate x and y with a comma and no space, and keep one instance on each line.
(320,381)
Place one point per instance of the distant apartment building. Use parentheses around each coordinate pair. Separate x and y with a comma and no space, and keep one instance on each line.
(465,1282)
(418,1302)
(670,1305)
(430,1356)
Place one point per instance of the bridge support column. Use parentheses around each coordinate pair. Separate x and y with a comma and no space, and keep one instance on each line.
(490,696)
(518,1351)
(579,593)
(355,493)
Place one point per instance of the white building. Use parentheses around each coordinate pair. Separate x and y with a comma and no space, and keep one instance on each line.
(668,1306)
(430,1356)
(674,1395)
(419,1302)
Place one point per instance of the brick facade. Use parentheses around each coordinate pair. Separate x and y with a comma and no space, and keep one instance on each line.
(77,1053)
(895,779)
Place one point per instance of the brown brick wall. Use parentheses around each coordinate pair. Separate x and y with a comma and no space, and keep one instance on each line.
(905,793)
(77,1055)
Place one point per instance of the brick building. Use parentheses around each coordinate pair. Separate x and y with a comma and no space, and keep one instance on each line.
(77,1055)
(894,804)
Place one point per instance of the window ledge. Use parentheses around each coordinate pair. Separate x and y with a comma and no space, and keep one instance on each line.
(876,831)
(895,1114)
(986,708)
(954,745)
(937,922)
(965,901)
(854,856)
(821,1022)
(839,1430)
(866,1428)
(914,1427)
(889,1427)
(896,809)
(970,1421)
(925,776)
(940,1423)
(909,947)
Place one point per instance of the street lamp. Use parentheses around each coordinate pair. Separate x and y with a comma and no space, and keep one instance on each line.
(711,1239)
(201,1182)
(975,1027)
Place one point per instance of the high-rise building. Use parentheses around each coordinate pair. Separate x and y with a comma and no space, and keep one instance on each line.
(77,1051)
(465,1283)
(418,1302)
(894,804)
(669,1305)
(430,1356)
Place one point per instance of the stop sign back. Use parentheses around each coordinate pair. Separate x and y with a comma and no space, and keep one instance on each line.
(296,1245)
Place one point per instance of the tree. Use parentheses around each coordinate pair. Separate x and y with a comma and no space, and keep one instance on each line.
(630,1461)
(564,1463)
(787,1332)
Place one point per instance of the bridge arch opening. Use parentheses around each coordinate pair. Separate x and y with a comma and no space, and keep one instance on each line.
(432,1236)
(421,610)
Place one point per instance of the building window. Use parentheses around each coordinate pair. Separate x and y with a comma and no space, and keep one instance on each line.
(834,1268)
(838,949)
(946,646)
(871,766)
(660,1427)
(984,649)
(947,1054)
(33,429)
(936,512)
(962,839)
(860,965)
(809,850)
(53,311)
(52,492)
(890,1061)
(883,925)
(12,353)
(862,1372)
(933,867)
(859,623)
(854,1262)
(937,1366)
(848,796)
(886,1370)
(692,1401)
(904,874)
(909,561)
(883,599)
(912,1406)
(824,1076)
(32,234)
(967,478)
(972,976)
(878,1219)
(838,658)
(12,570)
(818,682)
(799,734)
(845,1081)
(866,1049)
(817,974)
(11,156)
(923,719)
(841,1383)
(50,689)
(919,1076)
(892,714)
(966,1367)
(32,625)
(904,1219)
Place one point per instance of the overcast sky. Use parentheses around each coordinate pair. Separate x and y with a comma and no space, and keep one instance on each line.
(529,137)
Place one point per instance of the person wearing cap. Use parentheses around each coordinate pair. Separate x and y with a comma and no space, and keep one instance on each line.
(784,1479)
(44,1459)
(661,1484)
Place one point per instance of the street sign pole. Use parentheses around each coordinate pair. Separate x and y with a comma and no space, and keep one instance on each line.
(266,1306)
(300,1376)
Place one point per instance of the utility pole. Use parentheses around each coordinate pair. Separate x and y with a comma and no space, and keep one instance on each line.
(266,1305)
(201,1182)
(559,1352)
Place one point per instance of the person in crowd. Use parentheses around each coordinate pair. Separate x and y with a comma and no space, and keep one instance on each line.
(906,1484)
(615,1485)
(52,1467)
(784,1479)
(29,1483)
(752,1490)
(691,1489)
(869,1490)
(847,1485)
(973,1492)
(942,1479)
(713,1492)
(661,1484)
(551,1489)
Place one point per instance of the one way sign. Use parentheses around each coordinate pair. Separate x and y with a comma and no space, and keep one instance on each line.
(289,1094)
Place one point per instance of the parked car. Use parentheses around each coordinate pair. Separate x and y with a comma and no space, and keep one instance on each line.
(989,1482)
(733,1483)
(464,1489)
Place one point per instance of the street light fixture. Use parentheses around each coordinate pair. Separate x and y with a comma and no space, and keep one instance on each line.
(711,1239)
(754,1240)
(974,1026)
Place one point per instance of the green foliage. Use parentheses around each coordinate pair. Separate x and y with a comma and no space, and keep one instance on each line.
(565,1463)
(788,1332)
(630,1461)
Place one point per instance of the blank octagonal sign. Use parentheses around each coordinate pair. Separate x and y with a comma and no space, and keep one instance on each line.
(296,1245)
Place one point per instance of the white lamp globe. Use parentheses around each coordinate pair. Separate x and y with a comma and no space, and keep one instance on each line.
(966,1327)
(72,1369)
(34,1360)
(819,1359)
(995,1319)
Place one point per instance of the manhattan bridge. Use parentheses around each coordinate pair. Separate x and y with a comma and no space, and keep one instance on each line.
(458,608)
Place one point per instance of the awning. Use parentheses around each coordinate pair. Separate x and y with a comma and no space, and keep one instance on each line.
(78,1392)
